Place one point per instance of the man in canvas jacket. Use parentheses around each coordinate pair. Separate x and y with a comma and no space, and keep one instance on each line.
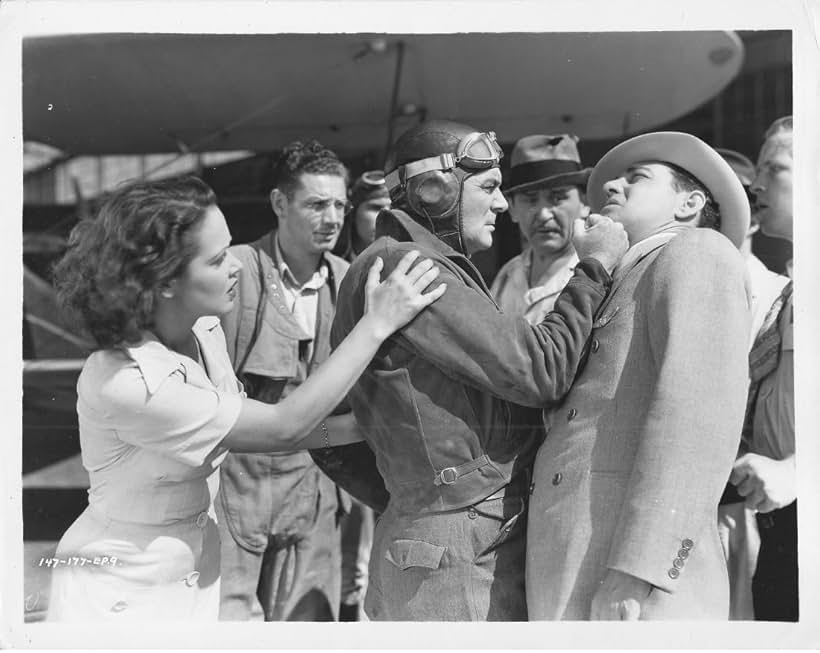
(278,513)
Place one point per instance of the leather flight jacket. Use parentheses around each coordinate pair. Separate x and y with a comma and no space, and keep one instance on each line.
(450,406)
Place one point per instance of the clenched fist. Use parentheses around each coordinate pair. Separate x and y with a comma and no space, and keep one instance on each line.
(600,238)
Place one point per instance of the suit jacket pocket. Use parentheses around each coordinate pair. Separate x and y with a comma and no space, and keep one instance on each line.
(405,554)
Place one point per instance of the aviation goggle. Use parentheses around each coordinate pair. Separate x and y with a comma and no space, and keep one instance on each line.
(476,151)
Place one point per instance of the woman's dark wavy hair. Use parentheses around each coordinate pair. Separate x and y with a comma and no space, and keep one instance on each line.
(117,262)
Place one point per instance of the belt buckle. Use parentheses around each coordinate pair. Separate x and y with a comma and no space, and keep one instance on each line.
(448,478)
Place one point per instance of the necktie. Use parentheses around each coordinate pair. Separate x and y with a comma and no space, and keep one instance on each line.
(763,357)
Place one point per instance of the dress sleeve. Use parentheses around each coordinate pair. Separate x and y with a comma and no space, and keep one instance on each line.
(178,419)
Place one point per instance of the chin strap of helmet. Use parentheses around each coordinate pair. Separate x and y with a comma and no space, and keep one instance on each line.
(459,245)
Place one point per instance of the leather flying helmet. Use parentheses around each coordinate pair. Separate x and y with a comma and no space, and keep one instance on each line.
(427,168)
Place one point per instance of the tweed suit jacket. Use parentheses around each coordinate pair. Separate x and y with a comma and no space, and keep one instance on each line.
(638,454)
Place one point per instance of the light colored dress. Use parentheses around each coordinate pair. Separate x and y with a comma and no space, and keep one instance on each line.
(151,423)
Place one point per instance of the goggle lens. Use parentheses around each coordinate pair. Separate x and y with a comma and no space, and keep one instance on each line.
(372,177)
(476,151)
(479,150)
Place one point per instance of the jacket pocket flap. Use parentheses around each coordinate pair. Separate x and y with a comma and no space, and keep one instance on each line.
(415,553)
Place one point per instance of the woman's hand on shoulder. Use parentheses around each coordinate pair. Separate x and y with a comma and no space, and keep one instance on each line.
(392,303)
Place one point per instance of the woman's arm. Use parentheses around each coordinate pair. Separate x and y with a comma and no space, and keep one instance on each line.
(295,422)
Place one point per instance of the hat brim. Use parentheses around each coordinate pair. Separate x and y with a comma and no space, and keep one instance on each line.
(575,178)
(685,151)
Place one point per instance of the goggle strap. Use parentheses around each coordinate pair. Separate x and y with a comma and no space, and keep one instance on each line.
(399,176)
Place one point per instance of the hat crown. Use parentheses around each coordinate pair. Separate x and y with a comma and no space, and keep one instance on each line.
(544,160)
(545,147)
(426,139)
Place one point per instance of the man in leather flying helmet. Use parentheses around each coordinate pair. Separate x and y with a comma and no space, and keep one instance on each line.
(450,406)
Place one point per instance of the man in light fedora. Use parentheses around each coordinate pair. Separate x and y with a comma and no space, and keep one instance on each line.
(546,196)
(623,515)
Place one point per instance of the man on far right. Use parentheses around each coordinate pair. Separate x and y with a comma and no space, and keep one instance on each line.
(765,475)
(737,523)
(623,513)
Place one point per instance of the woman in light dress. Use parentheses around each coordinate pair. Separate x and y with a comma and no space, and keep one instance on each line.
(159,405)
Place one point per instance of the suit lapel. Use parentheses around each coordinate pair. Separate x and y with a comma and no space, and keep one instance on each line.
(604,314)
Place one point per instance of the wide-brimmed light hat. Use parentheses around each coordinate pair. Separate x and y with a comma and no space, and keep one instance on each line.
(685,151)
(546,160)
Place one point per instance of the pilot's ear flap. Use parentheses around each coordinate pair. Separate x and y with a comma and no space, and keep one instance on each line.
(433,193)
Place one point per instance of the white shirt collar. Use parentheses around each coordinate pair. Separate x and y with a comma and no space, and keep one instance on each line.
(318,279)
(554,284)
(638,250)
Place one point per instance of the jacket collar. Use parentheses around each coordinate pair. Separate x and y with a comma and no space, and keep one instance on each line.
(331,268)
(556,282)
(396,224)
(400,226)
(318,279)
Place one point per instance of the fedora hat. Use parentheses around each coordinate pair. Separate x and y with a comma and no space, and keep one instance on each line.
(685,151)
(543,160)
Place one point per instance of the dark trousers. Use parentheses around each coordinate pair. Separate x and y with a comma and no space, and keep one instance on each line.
(774,586)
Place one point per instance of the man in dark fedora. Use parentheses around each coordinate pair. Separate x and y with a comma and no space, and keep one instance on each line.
(546,196)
